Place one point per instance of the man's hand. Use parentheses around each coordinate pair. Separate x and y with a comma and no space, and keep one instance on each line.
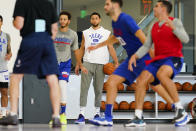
(116,65)
(90,48)
(132,61)
(77,69)
(169,23)
(83,69)
(8,56)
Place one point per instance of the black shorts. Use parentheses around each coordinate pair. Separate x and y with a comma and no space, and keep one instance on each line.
(3,85)
(36,56)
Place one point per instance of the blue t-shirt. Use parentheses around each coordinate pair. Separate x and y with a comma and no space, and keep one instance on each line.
(124,30)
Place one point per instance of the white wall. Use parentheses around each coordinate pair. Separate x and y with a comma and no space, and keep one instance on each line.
(6,10)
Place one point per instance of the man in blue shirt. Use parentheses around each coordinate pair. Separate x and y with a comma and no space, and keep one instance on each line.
(131,37)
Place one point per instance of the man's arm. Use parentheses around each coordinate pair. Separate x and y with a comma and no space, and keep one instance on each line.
(54,30)
(113,54)
(18,22)
(9,52)
(179,31)
(110,41)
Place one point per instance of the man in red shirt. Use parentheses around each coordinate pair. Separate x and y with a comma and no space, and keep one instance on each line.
(166,34)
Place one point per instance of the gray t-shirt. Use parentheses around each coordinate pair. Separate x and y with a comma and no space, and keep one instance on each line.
(64,42)
(4,41)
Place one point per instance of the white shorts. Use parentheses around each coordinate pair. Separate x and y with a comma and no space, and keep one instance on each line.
(4,76)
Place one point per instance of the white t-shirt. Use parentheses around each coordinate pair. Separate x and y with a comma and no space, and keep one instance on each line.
(93,37)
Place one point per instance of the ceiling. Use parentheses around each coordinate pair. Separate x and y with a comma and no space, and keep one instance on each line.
(79,3)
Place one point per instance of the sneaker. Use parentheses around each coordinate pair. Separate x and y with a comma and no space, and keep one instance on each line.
(135,122)
(9,120)
(181,118)
(96,116)
(105,121)
(80,120)
(63,119)
(56,122)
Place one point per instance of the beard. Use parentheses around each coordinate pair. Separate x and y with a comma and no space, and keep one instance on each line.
(63,26)
(95,25)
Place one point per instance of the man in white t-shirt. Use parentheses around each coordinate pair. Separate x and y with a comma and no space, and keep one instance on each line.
(93,63)
(5,55)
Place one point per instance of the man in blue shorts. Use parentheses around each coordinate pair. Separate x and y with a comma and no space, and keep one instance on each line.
(131,37)
(167,35)
(37,21)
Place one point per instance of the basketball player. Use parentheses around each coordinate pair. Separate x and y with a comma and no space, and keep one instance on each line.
(36,20)
(5,55)
(167,34)
(65,41)
(127,33)
(93,63)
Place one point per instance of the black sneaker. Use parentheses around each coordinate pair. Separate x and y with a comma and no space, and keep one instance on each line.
(96,116)
(135,122)
(9,120)
(179,114)
(56,122)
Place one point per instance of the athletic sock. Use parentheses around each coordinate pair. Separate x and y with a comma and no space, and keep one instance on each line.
(138,113)
(108,110)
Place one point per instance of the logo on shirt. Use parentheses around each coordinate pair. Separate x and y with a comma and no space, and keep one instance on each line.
(95,38)
(176,65)
(118,32)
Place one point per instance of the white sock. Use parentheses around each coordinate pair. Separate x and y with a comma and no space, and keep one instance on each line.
(138,113)
(4,111)
(82,110)
(178,105)
(97,110)
(53,116)
(63,87)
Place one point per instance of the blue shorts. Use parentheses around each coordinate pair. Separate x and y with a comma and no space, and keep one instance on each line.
(130,76)
(175,63)
(65,69)
(36,55)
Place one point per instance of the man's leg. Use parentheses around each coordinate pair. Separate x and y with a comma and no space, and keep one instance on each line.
(141,83)
(163,93)
(164,74)
(12,119)
(111,86)
(98,81)
(4,99)
(84,88)
(54,93)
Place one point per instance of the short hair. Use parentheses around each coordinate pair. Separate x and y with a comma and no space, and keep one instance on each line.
(167,4)
(65,13)
(120,2)
(95,13)
(1,18)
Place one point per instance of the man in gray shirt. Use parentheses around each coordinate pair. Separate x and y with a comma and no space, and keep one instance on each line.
(5,55)
(65,41)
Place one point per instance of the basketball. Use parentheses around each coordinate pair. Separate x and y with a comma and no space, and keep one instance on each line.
(194,87)
(102,105)
(120,87)
(108,68)
(187,86)
(148,105)
(161,105)
(131,87)
(168,107)
(132,105)
(115,106)
(178,86)
(124,105)
(104,87)
(190,105)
